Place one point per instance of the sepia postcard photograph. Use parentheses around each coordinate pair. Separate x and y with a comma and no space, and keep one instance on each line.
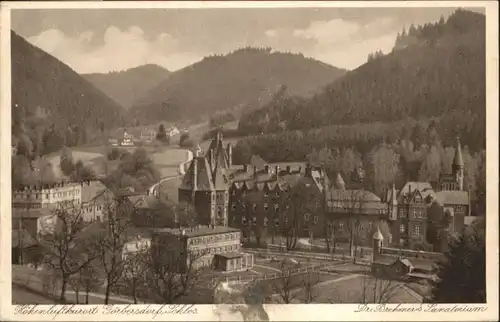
(251,161)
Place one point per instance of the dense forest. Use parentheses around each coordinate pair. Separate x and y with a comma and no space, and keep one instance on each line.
(52,105)
(242,80)
(389,153)
(130,85)
(435,71)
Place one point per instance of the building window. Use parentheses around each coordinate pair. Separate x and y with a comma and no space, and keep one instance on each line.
(390,238)
(370,225)
(276,207)
(306,217)
(265,194)
(286,219)
(414,212)
(233,207)
(341,226)
(315,219)
(276,222)
(265,206)
(416,230)
(402,228)
(47,196)
(243,220)
(254,220)
(265,221)
(254,207)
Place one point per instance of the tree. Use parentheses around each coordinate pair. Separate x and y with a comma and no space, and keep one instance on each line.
(185,215)
(438,222)
(462,276)
(183,139)
(110,242)
(171,272)
(66,161)
(299,198)
(385,165)
(82,172)
(309,281)
(162,135)
(377,290)
(286,282)
(134,271)
(66,248)
(353,203)
(431,167)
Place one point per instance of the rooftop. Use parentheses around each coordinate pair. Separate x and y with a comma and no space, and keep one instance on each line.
(197,231)
(453,197)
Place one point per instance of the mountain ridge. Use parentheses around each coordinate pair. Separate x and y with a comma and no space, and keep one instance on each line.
(127,86)
(240,80)
(439,73)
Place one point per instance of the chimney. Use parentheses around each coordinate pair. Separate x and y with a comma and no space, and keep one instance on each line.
(245,167)
(255,171)
(288,169)
(267,168)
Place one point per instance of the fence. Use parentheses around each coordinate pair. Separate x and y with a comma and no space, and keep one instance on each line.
(412,253)
(309,255)
(270,276)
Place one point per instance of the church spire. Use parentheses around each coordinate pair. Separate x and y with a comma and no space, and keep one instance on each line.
(458,166)
(458,160)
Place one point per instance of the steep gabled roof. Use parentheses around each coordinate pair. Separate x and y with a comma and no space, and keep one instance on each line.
(198,176)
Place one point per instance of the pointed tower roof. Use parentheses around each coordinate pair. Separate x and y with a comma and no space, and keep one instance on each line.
(458,159)
(378,234)
(339,182)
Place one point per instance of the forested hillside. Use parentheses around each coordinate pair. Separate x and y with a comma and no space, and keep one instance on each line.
(242,80)
(398,116)
(126,87)
(51,104)
(436,70)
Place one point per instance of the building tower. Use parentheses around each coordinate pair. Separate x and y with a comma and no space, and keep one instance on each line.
(378,239)
(458,167)
(393,205)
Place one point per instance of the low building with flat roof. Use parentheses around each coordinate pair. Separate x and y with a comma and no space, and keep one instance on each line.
(216,247)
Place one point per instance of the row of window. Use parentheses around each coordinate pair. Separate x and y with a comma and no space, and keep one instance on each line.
(415,212)
(214,250)
(244,220)
(47,195)
(415,232)
(213,238)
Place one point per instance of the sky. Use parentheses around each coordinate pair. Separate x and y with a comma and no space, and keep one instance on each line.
(104,40)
